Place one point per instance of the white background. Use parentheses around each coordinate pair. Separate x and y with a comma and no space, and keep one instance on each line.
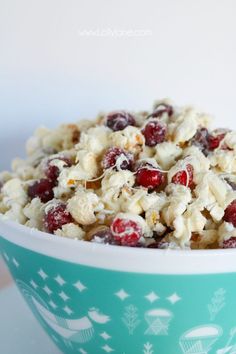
(49,73)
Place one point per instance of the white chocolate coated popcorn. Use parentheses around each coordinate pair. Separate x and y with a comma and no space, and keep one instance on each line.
(71,231)
(95,140)
(178,200)
(34,211)
(179,186)
(167,153)
(129,139)
(83,207)
(14,192)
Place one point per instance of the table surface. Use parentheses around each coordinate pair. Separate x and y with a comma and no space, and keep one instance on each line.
(19,331)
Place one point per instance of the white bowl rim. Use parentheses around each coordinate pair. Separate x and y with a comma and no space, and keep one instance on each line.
(126,259)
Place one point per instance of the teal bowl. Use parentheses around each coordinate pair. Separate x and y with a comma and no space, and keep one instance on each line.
(92,298)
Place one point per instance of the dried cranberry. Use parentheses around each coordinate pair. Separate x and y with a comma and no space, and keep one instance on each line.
(206,141)
(214,141)
(111,156)
(160,109)
(230,243)
(184,177)
(104,233)
(51,171)
(200,139)
(126,232)
(149,177)
(230,213)
(42,188)
(154,132)
(119,120)
(56,217)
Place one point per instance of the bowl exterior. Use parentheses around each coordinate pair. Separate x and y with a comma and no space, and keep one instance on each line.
(92,310)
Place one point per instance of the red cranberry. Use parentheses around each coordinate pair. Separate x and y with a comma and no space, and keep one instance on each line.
(230,243)
(104,234)
(52,171)
(154,132)
(56,217)
(42,188)
(184,177)
(119,120)
(200,139)
(111,156)
(161,109)
(214,141)
(149,177)
(206,141)
(126,232)
(230,213)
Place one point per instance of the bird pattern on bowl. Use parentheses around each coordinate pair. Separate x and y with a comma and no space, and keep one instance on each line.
(88,310)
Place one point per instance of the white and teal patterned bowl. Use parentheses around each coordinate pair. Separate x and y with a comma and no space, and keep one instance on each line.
(94,299)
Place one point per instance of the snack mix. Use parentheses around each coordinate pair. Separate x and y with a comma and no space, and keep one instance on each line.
(158,179)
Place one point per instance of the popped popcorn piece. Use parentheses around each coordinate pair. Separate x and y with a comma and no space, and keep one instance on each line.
(13,199)
(130,200)
(130,139)
(185,125)
(214,194)
(197,159)
(117,179)
(230,140)
(85,124)
(62,138)
(34,143)
(85,169)
(112,185)
(4,177)
(226,231)
(23,169)
(152,217)
(178,198)
(151,200)
(191,221)
(71,230)
(14,193)
(94,140)
(83,207)
(147,152)
(15,213)
(224,160)
(34,212)
(206,239)
(167,153)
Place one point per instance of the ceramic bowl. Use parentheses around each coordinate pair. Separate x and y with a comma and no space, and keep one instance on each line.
(93,298)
